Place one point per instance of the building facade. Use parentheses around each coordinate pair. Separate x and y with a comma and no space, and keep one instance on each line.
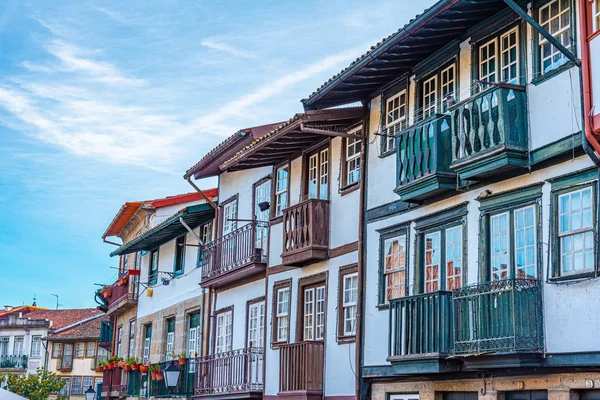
(481,248)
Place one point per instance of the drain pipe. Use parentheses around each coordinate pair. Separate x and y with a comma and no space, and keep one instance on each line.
(589,143)
(208,200)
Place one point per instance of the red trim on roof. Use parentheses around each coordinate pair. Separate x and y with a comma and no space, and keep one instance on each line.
(183,198)
(122,218)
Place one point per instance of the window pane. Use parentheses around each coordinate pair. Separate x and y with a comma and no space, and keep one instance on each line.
(525,243)
(576,231)
(454,257)
(499,255)
(432,262)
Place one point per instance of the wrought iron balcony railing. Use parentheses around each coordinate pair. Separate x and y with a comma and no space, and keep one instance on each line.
(236,371)
(184,388)
(13,361)
(306,232)
(500,316)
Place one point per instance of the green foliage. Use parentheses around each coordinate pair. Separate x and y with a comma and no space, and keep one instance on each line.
(34,387)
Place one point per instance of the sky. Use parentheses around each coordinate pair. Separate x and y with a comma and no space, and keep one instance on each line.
(108,101)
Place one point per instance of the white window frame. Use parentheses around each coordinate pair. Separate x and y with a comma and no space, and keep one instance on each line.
(256,324)
(500,252)
(389,273)
(572,233)
(460,257)
(223,332)
(119,341)
(394,125)
(56,350)
(318,174)
(18,345)
(169,340)
(557,35)
(314,312)
(80,350)
(448,81)
(430,96)
(36,347)
(349,302)
(525,246)
(282,313)
(596,15)
(489,60)
(514,80)
(131,338)
(90,382)
(77,385)
(88,346)
(435,284)
(352,159)
(281,189)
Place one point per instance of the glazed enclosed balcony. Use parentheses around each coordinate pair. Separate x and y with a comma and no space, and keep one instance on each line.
(423,160)
(122,295)
(301,370)
(420,327)
(237,374)
(237,255)
(498,317)
(489,132)
(306,232)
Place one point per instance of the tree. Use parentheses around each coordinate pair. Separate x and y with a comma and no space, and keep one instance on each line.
(34,387)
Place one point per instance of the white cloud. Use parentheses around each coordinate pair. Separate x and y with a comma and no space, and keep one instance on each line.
(224,47)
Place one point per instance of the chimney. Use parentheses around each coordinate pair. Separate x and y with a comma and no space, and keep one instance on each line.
(8,308)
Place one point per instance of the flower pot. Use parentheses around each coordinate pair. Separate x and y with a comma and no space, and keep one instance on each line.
(154,373)
(159,376)
(135,367)
(107,293)
(182,360)
(127,368)
(143,369)
(110,367)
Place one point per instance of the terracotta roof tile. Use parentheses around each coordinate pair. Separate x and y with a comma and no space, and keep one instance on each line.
(85,330)
(62,318)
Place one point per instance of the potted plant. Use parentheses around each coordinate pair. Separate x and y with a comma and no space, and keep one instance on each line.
(154,370)
(102,365)
(133,363)
(144,369)
(182,358)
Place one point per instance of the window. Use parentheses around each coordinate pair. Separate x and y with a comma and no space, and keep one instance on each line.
(179,262)
(256,323)
(147,340)
(596,15)
(87,383)
(352,150)
(555,17)
(262,194)
(36,347)
(394,267)
(170,338)
(281,189)
(230,216)
(318,174)
(348,302)
(124,263)
(119,341)
(193,348)
(499,58)
(66,389)
(429,97)
(205,234)
(4,341)
(439,91)
(90,349)
(281,311)
(432,261)
(312,302)
(576,231)
(487,61)
(79,350)
(224,330)
(56,350)
(77,382)
(18,345)
(67,356)
(138,260)
(131,339)
(448,87)
(153,268)
(395,120)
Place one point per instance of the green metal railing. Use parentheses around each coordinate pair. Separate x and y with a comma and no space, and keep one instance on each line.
(421,325)
(490,120)
(500,316)
(133,383)
(421,150)
(184,388)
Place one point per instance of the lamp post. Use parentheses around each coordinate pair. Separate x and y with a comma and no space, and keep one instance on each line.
(171,373)
(90,394)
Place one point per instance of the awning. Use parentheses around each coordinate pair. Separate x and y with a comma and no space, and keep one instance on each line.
(193,216)
(399,53)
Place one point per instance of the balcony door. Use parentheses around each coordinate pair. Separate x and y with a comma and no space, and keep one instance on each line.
(313,312)
(229,225)
(262,194)
(255,338)
(317,174)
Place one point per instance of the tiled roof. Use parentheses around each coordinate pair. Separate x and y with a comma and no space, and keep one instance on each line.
(86,330)
(367,54)
(24,310)
(62,318)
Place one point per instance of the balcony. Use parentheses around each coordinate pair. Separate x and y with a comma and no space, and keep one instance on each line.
(134,383)
(237,374)
(489,132)
(13,362)
(113,384)
(498,317)
(306,232)
(184,388)
(235,256)
(122,295)
(421,327)
(301,370)
(423,160)
(106,335)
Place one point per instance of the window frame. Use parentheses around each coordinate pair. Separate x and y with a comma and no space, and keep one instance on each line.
(345,186)
(169,324)
(147,343)
(131,341)
(385,235)
(275,216)
(260,332)
(435,74)
(77,348)
(179,256)
(119,341)
(79,391)
(19,339)
(31,347)
(307,283)
(277,286)
(344,272)
(93,347)
(57,355)
(318,150)
(153,269)
(388,143)
(226,310)
(595,16)
(442,279)
(205,232)
(562,185)
(538,75)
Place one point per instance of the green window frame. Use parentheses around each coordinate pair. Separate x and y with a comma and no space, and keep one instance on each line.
(179,259)
(205,233)
(545,14)
(153,267)
(147,343)
(510,232)
(393,263)
(441,251)
(170,338)
(574,200)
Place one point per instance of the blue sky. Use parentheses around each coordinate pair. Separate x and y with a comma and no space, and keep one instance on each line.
(103,102)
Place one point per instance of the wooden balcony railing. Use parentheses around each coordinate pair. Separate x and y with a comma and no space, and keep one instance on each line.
(238,254)
(113,384)
(489,132)
(423,160)
(123,294)
(301,367)
(236,371)
(306,232)
(421,326)
(500,316)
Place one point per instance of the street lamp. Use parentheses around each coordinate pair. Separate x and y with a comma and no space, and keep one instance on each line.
(90,394)
(171,373)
